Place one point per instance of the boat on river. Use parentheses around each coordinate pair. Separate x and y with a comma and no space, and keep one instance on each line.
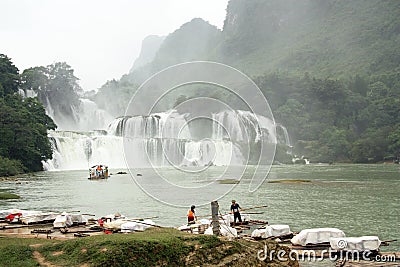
(27,216)
(98,172)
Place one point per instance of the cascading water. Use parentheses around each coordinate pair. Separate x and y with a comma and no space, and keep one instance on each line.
(158,125)
(242,126)
(85,117)
(77,150)
(91,117)
(160,139)
(286,137)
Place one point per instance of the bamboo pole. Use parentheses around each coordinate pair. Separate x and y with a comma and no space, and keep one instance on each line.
(251,208)
(141,222)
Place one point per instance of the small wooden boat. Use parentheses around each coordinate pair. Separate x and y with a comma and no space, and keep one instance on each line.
(39,218)
(98,172)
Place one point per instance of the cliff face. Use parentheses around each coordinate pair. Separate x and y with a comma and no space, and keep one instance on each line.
(194,40)
(150,46)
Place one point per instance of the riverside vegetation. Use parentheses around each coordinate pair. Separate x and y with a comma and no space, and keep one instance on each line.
(23,125)
(154,247)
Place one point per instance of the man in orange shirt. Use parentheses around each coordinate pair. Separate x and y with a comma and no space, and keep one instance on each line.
(191,215)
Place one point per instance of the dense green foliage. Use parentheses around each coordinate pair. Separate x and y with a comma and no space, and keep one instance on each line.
(23,126)
(9,167)
(114,96)
(9,79)
(323,37)
(329,69)
(332,120)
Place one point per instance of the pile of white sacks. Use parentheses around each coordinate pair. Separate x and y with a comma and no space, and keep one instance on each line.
(224,226)
(128,225)
(333,236)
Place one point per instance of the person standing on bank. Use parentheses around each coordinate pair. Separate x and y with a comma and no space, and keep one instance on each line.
(235,209)
(191,215)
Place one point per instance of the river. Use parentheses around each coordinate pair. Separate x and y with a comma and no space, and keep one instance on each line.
(358,199)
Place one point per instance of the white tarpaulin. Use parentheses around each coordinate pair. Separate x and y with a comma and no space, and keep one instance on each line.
(224,230)
(136,226)
(316,236)
(115,225)
(362,243)
(63,220)
(272,231)
(79,219)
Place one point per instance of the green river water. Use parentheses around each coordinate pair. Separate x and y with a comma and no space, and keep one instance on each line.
(358,199)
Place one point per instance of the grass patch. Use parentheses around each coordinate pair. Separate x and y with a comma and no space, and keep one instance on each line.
(153,247)
(166,247)
(18,252)
(6,195)
(115,252)
(229,181)
(298,181)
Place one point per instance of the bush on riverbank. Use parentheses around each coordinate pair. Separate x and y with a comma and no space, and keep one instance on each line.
(9,167)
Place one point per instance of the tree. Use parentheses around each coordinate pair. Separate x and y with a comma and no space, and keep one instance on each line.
(9,79)
(394,141)
(23,127)
(35,79)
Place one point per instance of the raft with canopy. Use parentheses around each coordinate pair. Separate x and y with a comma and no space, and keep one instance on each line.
(98,172)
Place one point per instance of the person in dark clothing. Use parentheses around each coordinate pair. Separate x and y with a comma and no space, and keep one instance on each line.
(235,209)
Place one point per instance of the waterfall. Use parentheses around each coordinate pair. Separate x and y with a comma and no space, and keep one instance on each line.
(91,116)
(85,117)
(27,93)
(242,126)
(77,150)
(158,125)
(285,134)
(159,139)
(286,138)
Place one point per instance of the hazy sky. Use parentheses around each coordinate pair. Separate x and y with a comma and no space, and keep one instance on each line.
(100,39)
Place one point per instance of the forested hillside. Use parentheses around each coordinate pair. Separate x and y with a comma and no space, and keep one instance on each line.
(330,70)
(23,125)
(327,38)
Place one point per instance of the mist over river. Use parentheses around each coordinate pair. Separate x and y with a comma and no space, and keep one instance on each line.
(358,199)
